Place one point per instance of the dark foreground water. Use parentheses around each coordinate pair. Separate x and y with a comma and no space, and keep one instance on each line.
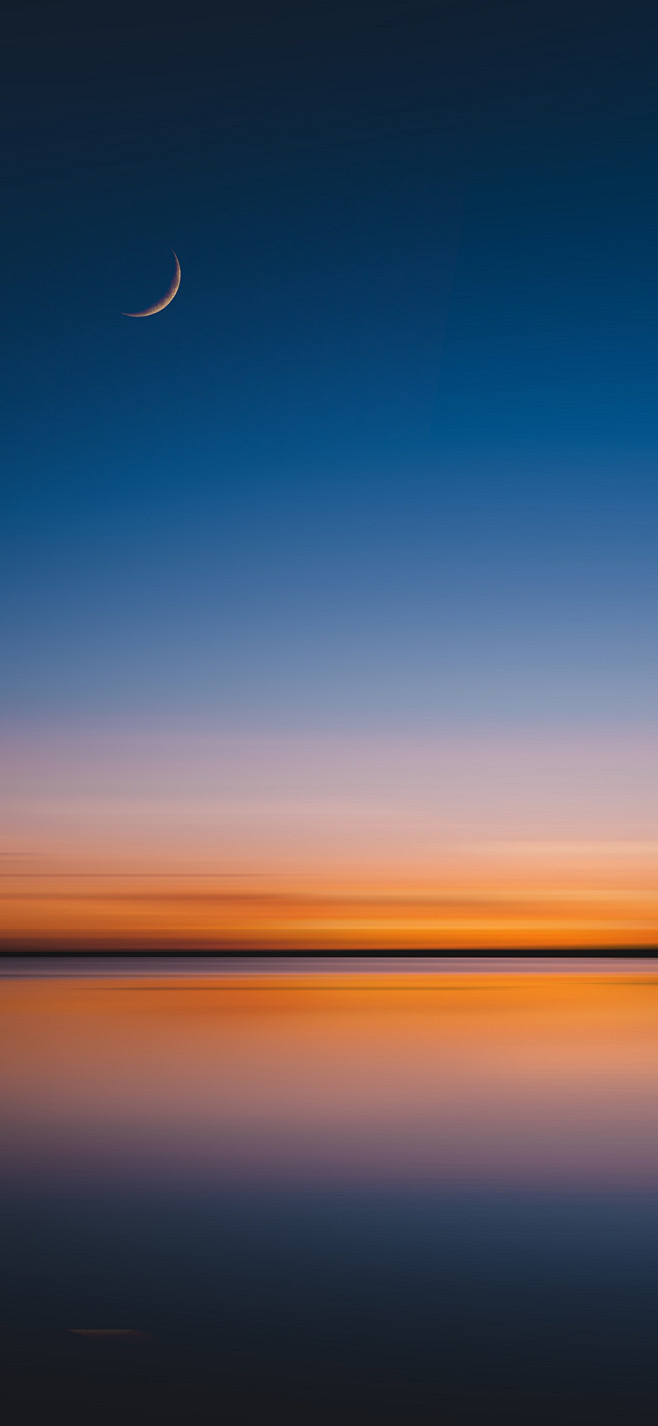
(325,1198)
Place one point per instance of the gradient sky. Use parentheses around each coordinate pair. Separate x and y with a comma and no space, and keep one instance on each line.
(386,466)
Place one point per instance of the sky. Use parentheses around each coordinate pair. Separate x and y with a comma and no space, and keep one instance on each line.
(378,486)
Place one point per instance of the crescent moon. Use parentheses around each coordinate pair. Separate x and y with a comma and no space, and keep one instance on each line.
(164,301)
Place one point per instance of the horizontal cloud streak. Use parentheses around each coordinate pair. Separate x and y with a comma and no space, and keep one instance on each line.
(205,839)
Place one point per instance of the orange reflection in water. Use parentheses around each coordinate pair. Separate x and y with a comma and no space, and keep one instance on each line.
(542,1079)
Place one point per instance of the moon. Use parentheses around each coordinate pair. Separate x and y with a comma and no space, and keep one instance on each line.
(164,301)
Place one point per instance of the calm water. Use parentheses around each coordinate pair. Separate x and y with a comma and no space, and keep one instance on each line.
(330,1194)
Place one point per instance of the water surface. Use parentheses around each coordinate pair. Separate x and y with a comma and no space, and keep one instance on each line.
(348,1192)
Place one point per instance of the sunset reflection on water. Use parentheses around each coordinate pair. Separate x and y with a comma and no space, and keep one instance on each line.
(279,1175)
(448,1077)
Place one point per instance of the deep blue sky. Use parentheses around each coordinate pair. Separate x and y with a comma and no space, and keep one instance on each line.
(390,455)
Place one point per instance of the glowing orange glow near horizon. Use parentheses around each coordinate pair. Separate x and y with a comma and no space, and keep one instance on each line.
(267,843)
